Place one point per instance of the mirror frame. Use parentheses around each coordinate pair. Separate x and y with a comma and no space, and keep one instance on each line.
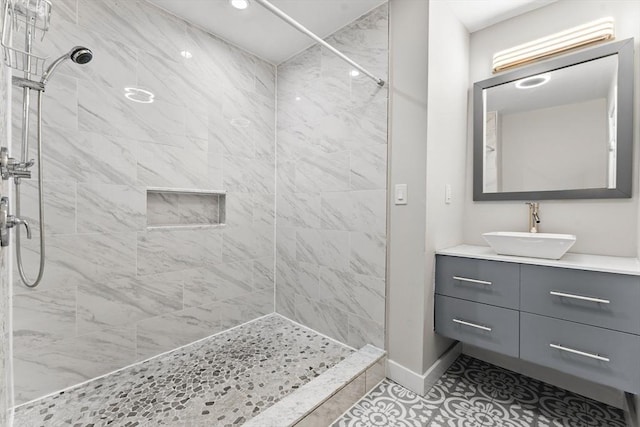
(624,161)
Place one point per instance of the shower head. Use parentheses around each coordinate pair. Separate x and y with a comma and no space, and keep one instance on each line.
(79,55)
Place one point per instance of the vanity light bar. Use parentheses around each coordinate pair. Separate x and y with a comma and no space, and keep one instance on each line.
(580,36)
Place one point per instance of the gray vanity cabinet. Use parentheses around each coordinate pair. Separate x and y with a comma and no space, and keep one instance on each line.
(585,323)
(600,299)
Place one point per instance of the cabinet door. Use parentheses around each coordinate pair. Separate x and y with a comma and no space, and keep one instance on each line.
(488,282)
(486,326)
(595,298)
(600,355)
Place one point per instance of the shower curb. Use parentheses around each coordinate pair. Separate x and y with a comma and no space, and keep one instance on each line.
(324,398)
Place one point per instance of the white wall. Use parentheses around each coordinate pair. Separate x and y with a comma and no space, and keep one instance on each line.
(608,227)
(446,145)
(406,275)
(427,151)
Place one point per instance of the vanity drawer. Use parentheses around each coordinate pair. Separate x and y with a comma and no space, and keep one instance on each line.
(595,298)
(600,355)
(489,282)
(482,325)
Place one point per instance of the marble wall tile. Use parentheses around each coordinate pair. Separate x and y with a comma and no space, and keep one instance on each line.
(263,273)
(285,303)
(61,103)
(265,79)
(59,205)
(298,210)
(155,32)
(337,210)
(211,284)
(331,183)
(328,172)
(369,168)
(236,311)
(236,71)
(323,247)
(72,361)
(78,258)
(322,318)
(264,209)
(88,157)
(365,331)
(110,208)
(354,293)
(163,333)
(285,175)
(103,109)
(123,302)
(41,318)
(298,278)
(174,250)
(368,253)
(369,212)
(239,209)
(246,175)
(286,243)
(174,167)
(165,208)
(245,243)
(169,81)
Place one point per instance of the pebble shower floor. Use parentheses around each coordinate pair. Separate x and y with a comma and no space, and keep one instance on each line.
(223,380)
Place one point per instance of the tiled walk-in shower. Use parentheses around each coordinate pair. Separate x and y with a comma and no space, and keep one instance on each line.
(223,380)
(473,393)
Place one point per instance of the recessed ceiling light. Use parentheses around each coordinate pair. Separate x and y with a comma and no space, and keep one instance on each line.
(298,98)
(138,95)
(533,81)
(186,54)
(354,73)
(239,4)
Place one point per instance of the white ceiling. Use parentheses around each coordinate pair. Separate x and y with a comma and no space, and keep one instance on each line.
(258,31)
(478,14)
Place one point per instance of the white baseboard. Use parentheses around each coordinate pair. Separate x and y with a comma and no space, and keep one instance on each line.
(422,383)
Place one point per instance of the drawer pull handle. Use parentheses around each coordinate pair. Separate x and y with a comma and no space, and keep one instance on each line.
(580,353)
(476,281)
(580,297)
(473,325)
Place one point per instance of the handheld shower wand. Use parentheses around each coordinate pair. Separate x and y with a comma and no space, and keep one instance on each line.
(79,54)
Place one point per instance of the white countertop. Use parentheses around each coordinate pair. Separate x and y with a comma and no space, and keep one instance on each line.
(607,264)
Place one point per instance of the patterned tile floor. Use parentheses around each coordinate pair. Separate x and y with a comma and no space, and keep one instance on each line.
(473,393)
(221,381)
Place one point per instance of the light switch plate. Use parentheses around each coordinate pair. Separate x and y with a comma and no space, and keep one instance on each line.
(401,196)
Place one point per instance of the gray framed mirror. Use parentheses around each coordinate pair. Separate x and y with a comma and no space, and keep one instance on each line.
(558,129)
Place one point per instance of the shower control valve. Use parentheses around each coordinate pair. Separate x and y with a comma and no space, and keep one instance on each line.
(7,222)
(10,168)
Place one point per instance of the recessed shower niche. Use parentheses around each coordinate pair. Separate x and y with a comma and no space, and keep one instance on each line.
(184,208)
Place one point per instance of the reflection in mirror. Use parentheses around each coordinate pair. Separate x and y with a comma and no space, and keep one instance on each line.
(558,129)
(552,131)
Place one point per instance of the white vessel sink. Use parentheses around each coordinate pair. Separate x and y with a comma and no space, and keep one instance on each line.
(534,245)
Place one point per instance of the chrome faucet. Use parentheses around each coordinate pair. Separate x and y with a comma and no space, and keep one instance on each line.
(534,217)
